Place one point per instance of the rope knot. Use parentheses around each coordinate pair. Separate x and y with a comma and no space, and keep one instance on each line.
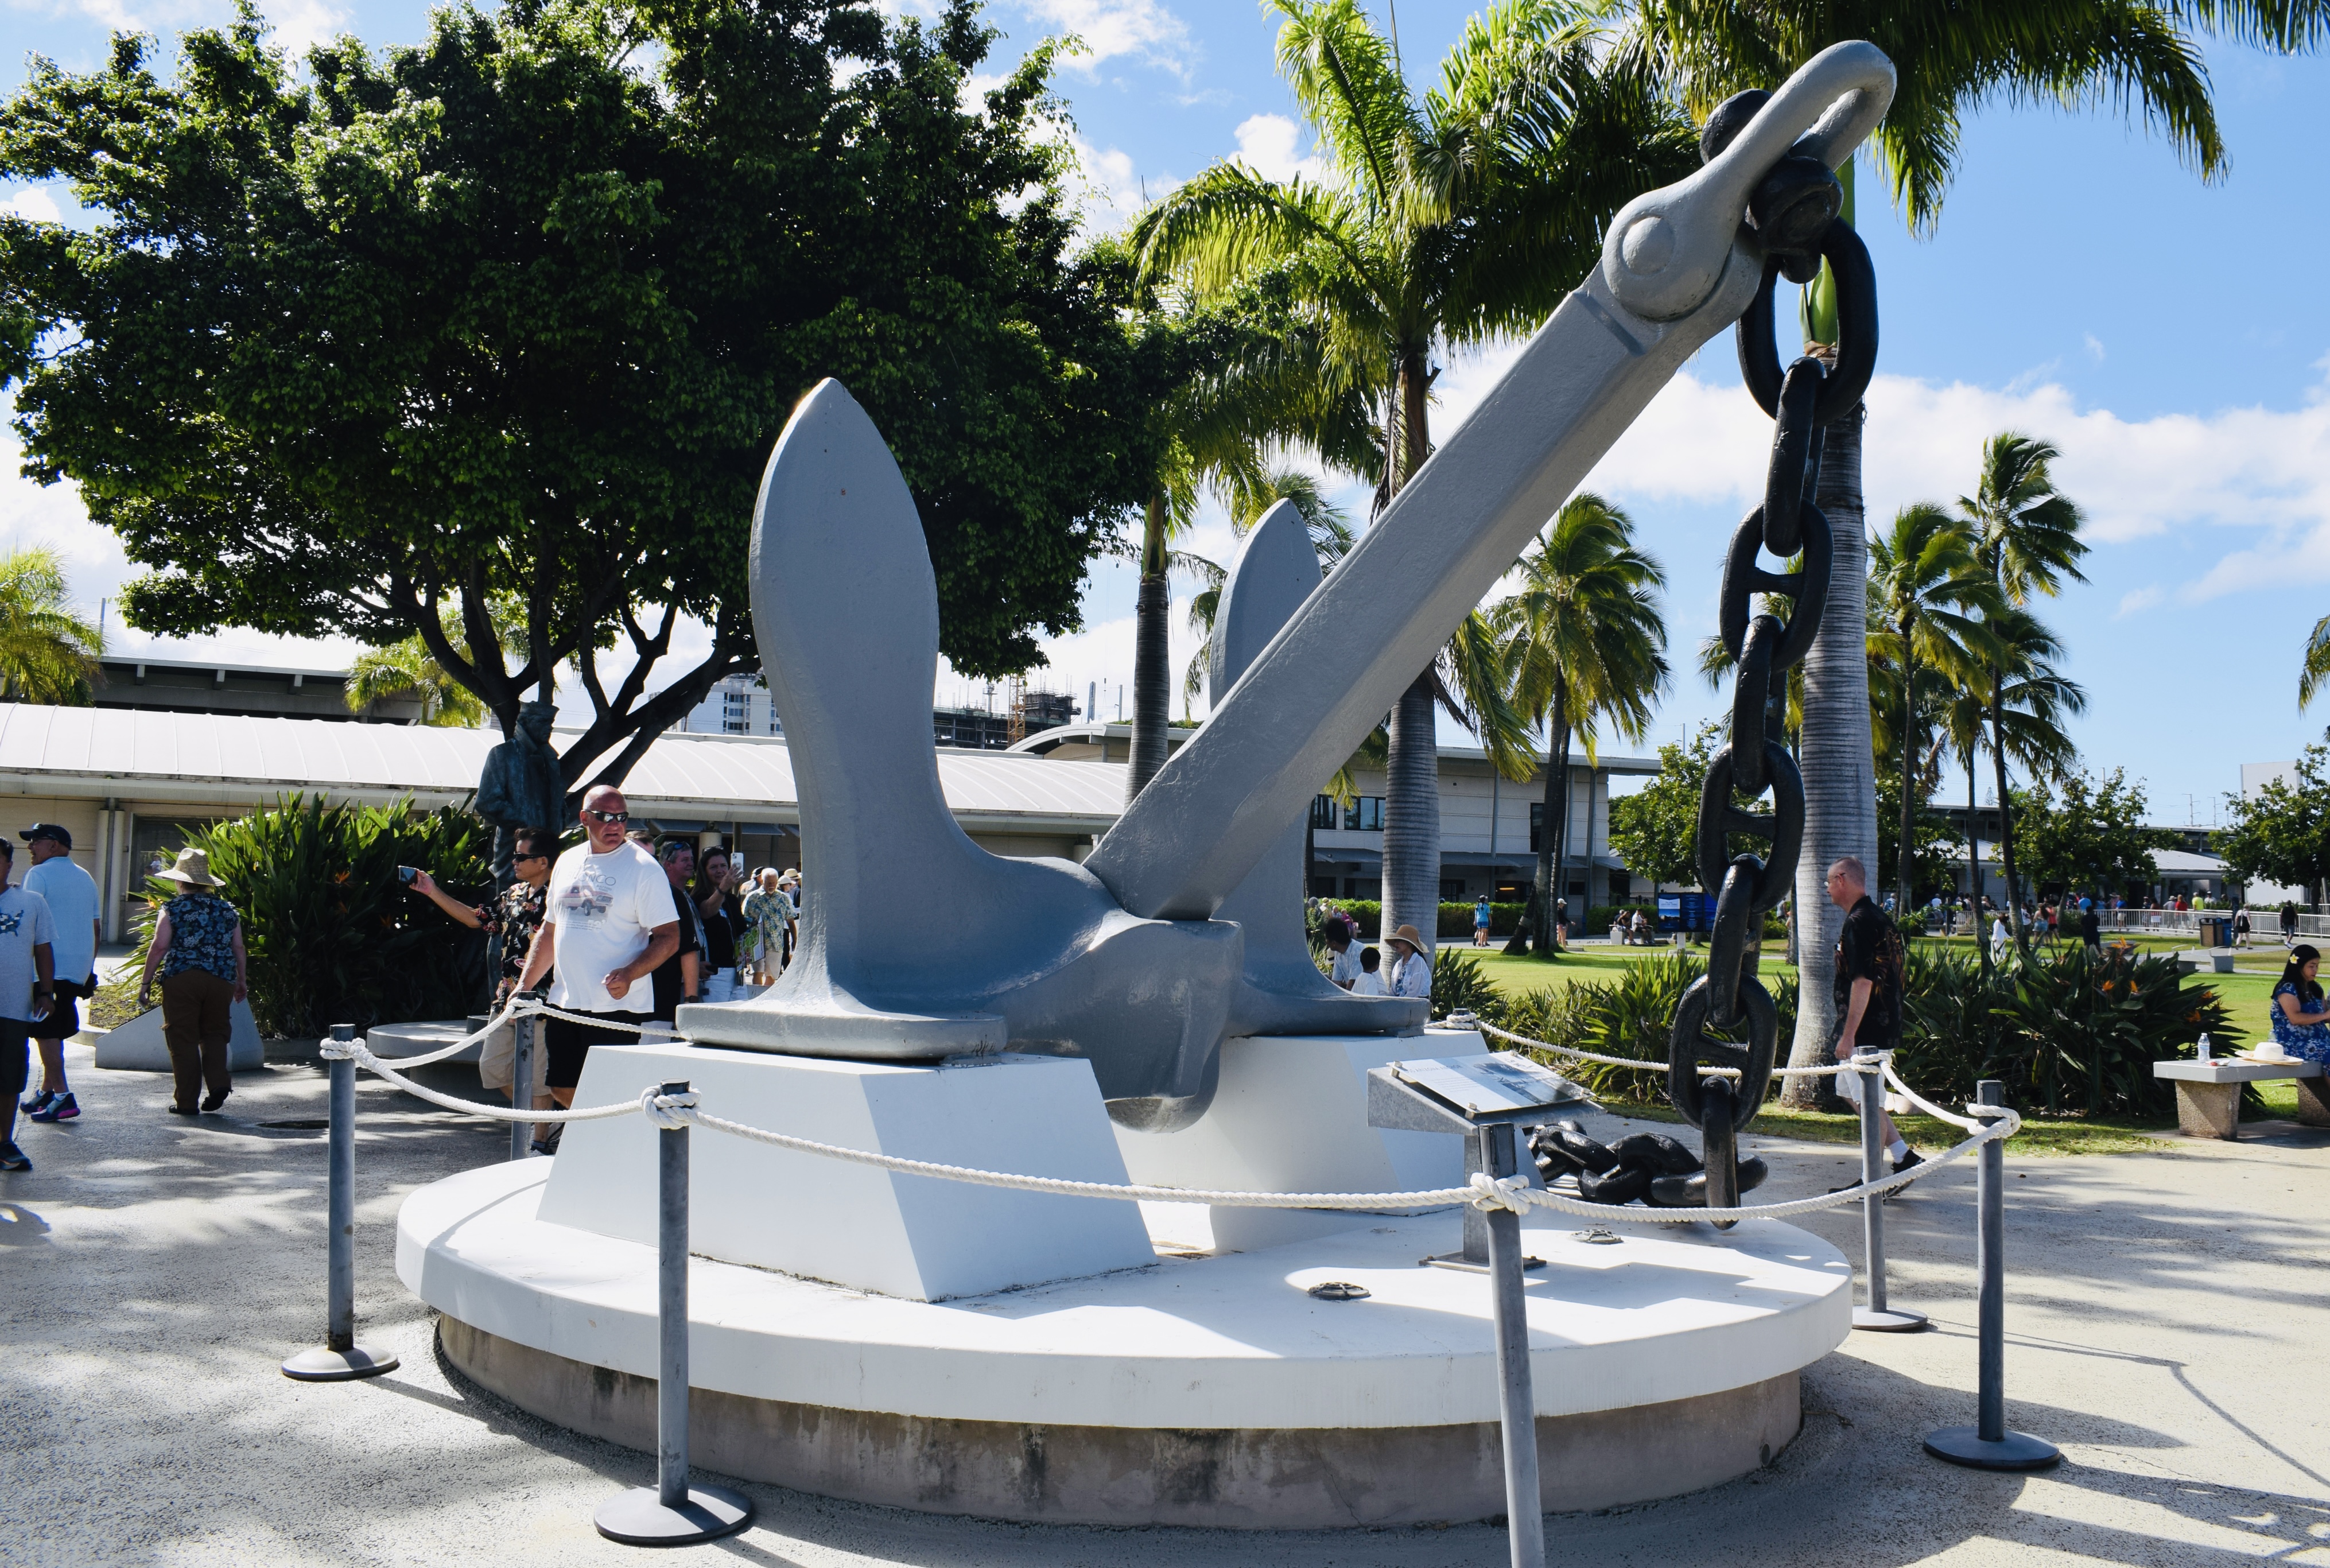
(1495,1192)
(669,1113)
(332,1050)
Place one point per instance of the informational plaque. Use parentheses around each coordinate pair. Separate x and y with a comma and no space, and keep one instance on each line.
(1497,1085)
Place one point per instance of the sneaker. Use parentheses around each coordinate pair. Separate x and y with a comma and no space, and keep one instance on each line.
(41,1098)
(1908,1162)
(12,1158)
(60,1108)
(178,1110)
(213,1102)
(550,1143)
(541,1146)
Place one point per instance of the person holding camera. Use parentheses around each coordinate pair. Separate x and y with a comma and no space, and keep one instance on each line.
(515,916)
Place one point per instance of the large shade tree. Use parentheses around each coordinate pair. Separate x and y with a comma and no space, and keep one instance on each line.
(1952,57)
(1588,651)
(1444,220)
(357,349)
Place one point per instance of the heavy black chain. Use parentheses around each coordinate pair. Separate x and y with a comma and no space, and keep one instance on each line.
(1795,215)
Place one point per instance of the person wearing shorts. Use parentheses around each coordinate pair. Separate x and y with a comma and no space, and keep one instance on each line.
(608,920)
(70,894)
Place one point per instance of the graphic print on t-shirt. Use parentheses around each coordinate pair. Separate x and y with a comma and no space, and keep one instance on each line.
(587,900)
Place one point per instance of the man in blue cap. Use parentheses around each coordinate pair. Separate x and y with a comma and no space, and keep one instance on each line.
(70,894)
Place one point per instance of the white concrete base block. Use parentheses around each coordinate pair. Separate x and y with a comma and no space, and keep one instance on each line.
(137,1046)
(390,1041)
(916,1238)
(1207,1391)
(1291,1116)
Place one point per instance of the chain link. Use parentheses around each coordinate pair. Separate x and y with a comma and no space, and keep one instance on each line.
(1802,400)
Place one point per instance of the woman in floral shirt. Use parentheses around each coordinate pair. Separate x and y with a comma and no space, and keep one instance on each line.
(198,947)
(2301,1019)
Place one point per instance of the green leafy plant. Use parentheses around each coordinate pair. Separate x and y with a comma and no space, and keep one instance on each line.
(1459,983)
(332,935)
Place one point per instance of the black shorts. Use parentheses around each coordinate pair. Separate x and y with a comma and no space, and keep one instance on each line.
(569,1043)
(63,1020)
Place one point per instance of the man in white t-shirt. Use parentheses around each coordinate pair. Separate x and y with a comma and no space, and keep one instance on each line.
(608,921)
(70,895)
(1342,953)
(28,936)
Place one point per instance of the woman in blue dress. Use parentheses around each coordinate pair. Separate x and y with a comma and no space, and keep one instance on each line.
(2301,1018)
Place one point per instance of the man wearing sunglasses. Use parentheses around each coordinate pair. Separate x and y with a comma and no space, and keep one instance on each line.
(610,922)
(516,917)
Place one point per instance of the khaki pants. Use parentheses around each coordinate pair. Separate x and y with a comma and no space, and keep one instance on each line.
(497,1062)
(196,1026)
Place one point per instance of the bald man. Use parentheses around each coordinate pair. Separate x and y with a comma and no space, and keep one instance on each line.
(608,921)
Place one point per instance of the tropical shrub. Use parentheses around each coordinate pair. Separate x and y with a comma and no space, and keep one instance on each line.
(332,935)
(2063,1032)
(1459,985)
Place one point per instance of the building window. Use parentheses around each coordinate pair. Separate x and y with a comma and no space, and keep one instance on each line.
(1364,815)
(1537,826)
(736,712)
(1323,813)
(1452,889)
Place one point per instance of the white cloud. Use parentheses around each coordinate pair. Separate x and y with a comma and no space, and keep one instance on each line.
(1266,144)
(1142,29)
(35,201)
(300,24)
(2136,600)
(2095,347)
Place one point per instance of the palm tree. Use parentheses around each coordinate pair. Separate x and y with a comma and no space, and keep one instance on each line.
(1950,56)
(408,669)
(2316,667)
(2027,539)
(1588,648)
(1927,593)
(2031,706)
(1446,222)
(47,654)
(1245,376)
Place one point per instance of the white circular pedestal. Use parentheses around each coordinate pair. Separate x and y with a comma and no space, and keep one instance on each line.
(1209,1391)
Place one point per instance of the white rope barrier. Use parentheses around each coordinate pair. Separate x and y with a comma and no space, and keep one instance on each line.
(1638,1063)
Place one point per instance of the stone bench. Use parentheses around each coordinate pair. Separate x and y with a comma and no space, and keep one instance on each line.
(2209,1093)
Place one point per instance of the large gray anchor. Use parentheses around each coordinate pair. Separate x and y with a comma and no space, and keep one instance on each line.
(1127,960)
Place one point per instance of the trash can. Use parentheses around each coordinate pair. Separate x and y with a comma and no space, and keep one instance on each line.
(2216,931)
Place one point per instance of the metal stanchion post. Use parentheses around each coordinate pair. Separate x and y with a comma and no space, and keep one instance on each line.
(1876,1316)
(1524,1512)
(341,1358)
(522,1082)
(671,1512)
(1989,1446)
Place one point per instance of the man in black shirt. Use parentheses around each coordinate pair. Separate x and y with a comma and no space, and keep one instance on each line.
(1868,990)
(678,978)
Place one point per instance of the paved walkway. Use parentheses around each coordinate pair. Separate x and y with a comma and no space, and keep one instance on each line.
(2166,1312)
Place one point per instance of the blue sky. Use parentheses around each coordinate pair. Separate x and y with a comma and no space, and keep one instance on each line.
(2171,338)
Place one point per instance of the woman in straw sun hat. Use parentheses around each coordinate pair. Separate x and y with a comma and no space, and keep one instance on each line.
(1411,970)
(198,948)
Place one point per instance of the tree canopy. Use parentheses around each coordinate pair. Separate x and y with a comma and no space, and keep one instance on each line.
(2282,834)
(2093,839)
(516,312)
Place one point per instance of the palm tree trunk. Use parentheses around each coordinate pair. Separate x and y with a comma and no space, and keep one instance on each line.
(1838,767)
(2005,814)
(1411,841)
(1548,833)
(1152,695)
(1562,821)
(1901,844)
(1411,817)
(1973,872)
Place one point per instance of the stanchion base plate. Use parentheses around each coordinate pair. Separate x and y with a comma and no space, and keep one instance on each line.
(1893,1320)
(2015,1451)
(321,1365)
(639,1518)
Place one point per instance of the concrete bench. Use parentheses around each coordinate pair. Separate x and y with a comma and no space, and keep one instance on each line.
(2209,1093)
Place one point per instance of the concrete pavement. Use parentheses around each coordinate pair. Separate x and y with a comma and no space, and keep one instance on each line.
(2166,1314)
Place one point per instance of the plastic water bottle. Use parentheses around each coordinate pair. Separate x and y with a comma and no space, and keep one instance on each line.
(2204,1046)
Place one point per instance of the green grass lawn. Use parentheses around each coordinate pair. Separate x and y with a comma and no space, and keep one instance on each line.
(1518,976)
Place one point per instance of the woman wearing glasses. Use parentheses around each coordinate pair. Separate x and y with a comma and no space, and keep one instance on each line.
(515,916)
